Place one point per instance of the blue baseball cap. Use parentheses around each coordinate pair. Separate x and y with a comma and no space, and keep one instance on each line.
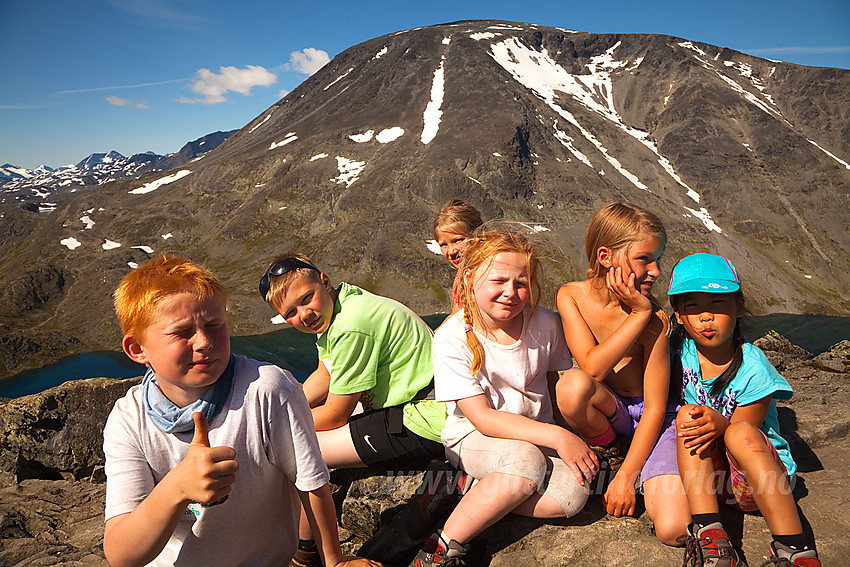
(704,273)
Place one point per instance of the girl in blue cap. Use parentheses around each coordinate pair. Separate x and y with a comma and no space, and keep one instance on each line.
(728,428)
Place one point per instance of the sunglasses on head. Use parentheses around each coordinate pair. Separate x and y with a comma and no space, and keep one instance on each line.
(278,269)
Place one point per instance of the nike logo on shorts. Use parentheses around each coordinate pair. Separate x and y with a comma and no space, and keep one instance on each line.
(368,440)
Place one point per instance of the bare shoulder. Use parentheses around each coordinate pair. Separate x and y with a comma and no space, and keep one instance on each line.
(659,324)
(576,291)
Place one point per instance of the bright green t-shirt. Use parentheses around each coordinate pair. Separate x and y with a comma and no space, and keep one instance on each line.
(377,346)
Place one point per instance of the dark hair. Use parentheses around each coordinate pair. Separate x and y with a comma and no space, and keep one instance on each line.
(677,340)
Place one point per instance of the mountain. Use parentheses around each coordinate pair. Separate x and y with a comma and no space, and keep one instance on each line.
(9,172)
(538,125)
(38,184)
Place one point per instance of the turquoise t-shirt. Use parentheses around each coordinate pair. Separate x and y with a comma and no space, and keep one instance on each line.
(756,379)
(377,346)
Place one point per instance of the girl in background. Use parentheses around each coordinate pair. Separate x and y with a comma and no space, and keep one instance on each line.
(730,421)
(618,335)
(453,226)
(496,363)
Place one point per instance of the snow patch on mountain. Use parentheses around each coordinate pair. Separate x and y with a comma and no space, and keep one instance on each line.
(261,123)
(349,170)
(363,137)
(389,134)
(290,137)
(338,79)
(72,243)
(154,185)
(433,114)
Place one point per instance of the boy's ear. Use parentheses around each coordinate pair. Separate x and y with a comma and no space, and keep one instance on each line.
(604,256)
(326,281)
(134,349)
(678,317)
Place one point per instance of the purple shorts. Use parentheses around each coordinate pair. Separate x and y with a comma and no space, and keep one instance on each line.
(662,459)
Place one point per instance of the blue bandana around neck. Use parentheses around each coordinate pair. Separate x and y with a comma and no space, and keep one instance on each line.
(170,418)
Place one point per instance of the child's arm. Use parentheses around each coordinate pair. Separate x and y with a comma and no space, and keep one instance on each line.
(330,411)
(707,425)
(620,496)
(319,508)
(506,425)
(316,385)
(204,475)
(599,358)
(335,412)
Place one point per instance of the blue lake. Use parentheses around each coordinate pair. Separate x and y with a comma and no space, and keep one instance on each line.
(297,351)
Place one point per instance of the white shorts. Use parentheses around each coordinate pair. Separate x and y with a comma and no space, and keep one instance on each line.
(480,455)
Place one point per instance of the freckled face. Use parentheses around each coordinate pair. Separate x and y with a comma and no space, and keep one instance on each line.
(451,246)
(643,259)
(710,318)
(187,346)
(501,289)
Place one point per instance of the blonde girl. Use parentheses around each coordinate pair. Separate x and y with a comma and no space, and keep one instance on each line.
(496,363)
(618,335)
(730,424)
(453,226)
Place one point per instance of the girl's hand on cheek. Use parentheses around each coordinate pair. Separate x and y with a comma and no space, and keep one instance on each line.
(624,289)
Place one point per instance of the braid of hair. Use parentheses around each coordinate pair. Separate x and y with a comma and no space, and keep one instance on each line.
(468,303)
(677,378)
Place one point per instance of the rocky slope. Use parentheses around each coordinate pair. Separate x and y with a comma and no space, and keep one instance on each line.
(542,126)
(51,491)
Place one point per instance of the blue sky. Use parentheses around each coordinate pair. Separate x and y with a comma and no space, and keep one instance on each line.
(139,75)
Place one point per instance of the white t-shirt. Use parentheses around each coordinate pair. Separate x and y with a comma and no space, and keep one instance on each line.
(513,377)
(268,422)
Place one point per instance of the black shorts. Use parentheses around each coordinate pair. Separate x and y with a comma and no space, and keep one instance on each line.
(381,439)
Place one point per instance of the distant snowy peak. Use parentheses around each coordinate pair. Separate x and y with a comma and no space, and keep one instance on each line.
(99,168)
(96,159)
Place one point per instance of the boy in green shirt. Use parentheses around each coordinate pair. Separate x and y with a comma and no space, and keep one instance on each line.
(372,350)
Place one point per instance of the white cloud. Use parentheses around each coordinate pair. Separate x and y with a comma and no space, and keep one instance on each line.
(309,60)
(213,86)
(118,101)
(159,13)
(803,50)
(282,93)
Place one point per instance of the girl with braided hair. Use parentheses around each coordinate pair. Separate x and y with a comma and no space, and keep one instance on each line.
(496,364)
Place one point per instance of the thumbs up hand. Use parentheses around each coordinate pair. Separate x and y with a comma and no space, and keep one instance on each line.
(206,474)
